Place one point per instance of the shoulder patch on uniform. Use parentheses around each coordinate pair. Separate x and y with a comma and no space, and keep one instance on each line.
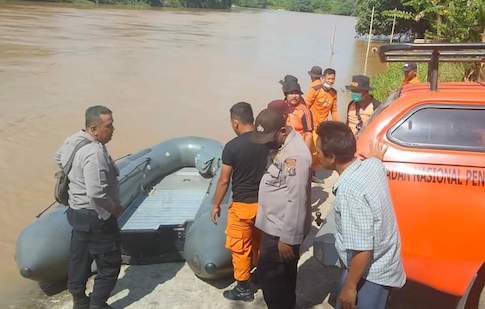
(290,166)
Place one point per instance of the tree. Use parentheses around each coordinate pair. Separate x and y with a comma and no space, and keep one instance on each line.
(301,6)
(449,20)
(382,21)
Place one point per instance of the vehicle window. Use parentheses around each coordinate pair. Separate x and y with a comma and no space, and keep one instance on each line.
(449,128)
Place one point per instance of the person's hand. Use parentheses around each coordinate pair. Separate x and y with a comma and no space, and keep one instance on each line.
(285,251)
(377,150)
(348,297)
(117,212)
(215,213)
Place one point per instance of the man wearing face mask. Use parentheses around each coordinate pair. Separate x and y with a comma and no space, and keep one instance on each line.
(321,98)
(284,213)
(363,104)
(299,116)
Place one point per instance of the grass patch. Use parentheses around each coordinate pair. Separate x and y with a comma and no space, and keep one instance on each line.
(82,3)
(132,4)
(385,83)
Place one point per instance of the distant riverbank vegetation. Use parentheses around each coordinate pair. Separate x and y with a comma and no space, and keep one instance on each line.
(140,4)
(338,7)
(437,20)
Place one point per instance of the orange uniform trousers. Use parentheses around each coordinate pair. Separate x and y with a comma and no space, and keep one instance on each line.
(315,160)
(242,238)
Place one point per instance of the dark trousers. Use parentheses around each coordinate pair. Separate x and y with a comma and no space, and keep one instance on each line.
(98,240)
(277,278)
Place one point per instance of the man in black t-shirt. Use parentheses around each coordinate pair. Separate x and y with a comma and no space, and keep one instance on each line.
(243,162)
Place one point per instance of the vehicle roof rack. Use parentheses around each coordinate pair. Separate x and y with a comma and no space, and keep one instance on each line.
(433,53)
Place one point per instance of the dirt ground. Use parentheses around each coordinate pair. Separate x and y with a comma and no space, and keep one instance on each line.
(173,285)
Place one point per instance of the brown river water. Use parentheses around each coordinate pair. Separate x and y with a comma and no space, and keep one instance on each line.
(164,73)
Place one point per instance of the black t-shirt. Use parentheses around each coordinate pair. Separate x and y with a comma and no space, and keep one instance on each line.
(248,162)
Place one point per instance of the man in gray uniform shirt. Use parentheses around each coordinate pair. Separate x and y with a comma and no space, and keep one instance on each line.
(284,214)
(94,206)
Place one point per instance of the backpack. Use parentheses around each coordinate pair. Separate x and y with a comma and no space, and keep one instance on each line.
(62,181)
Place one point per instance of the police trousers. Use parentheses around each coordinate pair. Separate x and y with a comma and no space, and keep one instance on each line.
(277,278)
(98,240)
(242,238)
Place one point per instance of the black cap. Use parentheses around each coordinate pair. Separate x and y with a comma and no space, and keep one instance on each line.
(288,78)
(410,66)
(315,71)
(267,123)
(291,85)
(359,83)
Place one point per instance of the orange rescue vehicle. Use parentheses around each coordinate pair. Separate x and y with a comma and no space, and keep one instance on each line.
(436,169)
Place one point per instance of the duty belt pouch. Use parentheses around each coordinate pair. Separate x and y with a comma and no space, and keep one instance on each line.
(62,181)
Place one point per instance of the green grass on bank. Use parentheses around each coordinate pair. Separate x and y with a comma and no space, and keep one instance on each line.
(385,83)
(132,4)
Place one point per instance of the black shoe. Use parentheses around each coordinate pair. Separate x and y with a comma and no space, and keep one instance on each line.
(81,303)
(239,293)
(103,306)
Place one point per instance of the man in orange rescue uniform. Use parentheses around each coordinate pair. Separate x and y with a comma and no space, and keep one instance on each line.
(244,162)
(299,116)
(410,70)
(321,98)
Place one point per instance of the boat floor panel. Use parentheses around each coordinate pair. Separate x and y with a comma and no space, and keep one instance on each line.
(174,200)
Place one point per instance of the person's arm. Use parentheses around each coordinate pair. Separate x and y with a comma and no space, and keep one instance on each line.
(358,266)
(297,182)
(307,121)
(57,157)
(334,109)
(308,139)
(221,190)
(95,171)
(310,96)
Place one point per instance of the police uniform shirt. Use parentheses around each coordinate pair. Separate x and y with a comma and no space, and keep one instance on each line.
(284,193)
(93,179)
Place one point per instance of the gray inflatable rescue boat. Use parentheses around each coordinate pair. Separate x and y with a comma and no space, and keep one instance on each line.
(167,193)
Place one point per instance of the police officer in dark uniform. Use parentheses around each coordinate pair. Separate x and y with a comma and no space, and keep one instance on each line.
(94,205)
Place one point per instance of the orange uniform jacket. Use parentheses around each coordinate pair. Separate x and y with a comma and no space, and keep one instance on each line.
(321,102)
(415,80)
(300,118)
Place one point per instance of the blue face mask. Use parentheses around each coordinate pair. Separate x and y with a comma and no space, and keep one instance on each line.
(356,96)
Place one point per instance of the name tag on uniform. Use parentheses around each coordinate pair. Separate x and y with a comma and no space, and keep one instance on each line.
(290,165)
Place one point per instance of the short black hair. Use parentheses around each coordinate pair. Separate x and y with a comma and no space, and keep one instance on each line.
(337,139)
(329,71)
(93,113)
(243,112)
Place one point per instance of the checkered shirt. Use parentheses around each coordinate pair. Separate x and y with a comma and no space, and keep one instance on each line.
(365,220)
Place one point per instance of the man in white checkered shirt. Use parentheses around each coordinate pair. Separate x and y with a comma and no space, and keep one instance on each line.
(367,237)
